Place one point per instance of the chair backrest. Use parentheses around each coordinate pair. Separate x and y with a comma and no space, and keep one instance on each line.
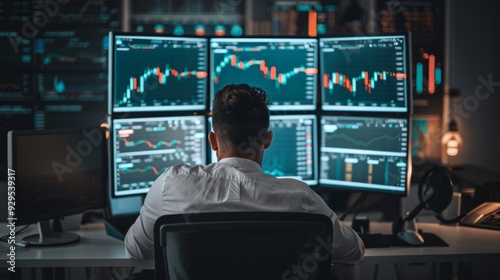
(243,245)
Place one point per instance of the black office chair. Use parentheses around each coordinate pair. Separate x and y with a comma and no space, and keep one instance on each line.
(243,245)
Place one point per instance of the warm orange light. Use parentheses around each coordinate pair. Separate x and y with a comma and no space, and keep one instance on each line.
(452,142)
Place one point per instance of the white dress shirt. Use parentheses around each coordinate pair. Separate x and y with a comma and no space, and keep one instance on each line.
(232,184)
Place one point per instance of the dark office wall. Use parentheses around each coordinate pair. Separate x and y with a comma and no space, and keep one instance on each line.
(475,58)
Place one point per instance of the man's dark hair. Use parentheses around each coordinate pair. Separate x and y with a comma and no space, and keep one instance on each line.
(240,114)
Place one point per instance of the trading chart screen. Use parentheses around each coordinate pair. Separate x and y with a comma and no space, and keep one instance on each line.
(64,86)
(16,55)
(72,50)
(285,68)
(153,73)
(365,153)
(292,153)
(293,150)
(145,147)
(365,73)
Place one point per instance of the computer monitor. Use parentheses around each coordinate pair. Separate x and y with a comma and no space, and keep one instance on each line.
(55,173)
(142,148)
(286,68)
(293,151)
(71,49)
(157,73)
(365,73)
(366,154)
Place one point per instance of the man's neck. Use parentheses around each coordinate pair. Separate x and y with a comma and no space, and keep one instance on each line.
(254,155)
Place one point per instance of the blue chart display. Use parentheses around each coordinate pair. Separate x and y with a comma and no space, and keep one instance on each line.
(62,86)
(16,51)
(16,86)
(365,153)
(145,147)
(285,68)
(152,73)
(72,50)
(293,150)
(365,73)
(16,55)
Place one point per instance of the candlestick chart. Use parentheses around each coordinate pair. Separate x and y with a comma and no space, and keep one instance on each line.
(155,74)
(285,69)
(428,77)
(368,74)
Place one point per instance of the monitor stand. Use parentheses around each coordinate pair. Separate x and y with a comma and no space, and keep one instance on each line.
(46,237)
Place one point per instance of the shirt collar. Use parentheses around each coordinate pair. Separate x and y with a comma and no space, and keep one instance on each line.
(241,163)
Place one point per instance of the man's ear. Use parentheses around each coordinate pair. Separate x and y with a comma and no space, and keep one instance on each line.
(213,141)
(269,139)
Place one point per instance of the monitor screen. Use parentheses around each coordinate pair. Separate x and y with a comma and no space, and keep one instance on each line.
(17,57)
(72,49)
(13,116)
(57,172)
(369,73)
(157,73)
(286,68)
(293,151)
(365,154)
(144,147)
(70,86)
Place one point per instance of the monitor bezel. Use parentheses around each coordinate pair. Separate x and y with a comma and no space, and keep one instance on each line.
(332,186)
(408,109)
(112,110)
(37,215)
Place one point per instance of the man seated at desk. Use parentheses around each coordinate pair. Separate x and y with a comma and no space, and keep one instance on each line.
(236,182)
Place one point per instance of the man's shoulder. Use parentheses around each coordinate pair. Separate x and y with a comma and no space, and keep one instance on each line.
(184,168)
(291,183)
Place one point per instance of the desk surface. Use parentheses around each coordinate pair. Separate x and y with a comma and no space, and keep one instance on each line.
(96,249)
(465,244)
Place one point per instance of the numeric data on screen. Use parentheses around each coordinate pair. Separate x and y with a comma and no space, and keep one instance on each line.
(293,150)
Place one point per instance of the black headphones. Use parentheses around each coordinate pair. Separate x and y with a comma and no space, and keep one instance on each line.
(435,189)
(435,192)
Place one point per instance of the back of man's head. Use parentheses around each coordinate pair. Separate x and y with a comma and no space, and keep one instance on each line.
(240,115)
